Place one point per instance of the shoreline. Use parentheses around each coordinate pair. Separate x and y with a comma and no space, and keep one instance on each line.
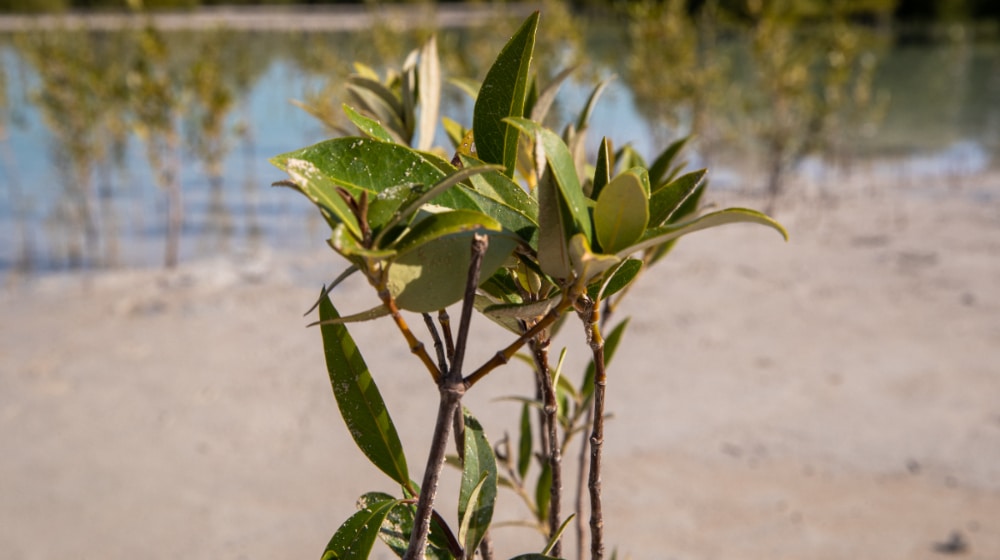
(275,18)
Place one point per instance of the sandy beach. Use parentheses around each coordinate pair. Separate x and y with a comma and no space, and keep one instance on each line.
(835,397)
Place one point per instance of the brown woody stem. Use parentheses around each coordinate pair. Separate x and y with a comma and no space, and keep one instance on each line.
(551,443)
(590,315)
(451,387)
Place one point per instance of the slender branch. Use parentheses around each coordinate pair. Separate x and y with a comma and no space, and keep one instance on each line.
(438,346)
(550,408)
(416,347)
(451,400)
(451,387)
(581,525)
(590,315)
(449,342)
(504,356)
(479,245)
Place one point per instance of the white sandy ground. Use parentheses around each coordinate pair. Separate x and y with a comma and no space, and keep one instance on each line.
(836,397)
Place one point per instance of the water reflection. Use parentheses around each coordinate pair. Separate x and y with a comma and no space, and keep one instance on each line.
(143,147)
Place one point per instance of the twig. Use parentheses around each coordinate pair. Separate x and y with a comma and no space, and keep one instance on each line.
(590,315)
(581,525)
(449,342)
(438,346)
(416,347)
(550,408)
(451,387)
(504,356)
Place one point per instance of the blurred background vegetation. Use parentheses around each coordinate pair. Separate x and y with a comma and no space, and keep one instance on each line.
(902,10)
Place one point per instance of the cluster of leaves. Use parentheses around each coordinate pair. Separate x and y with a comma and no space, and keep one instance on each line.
(551,234)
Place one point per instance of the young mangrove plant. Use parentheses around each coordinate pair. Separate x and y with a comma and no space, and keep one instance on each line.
(512,223)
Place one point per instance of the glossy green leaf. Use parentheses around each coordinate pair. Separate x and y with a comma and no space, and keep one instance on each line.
(555,227)
(398,525)
(502,95)
(355,538)
(669,232)
(610,347)
(524,442)
(619,279)
(499,187)
(367,126)
(347,245)
(478,493)
(436,226)
(658,172)
(664,203)
(429,83)
(413,204)
(563,168)
(357,164)
(602,172)
(622,212)
(359,400)
(320,188)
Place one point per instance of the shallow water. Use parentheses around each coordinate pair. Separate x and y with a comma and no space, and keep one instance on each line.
(938,118)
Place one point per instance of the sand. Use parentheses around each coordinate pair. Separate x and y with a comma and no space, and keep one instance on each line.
(835,397)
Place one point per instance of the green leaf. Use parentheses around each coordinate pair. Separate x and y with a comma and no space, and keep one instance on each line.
(429,82)
(359,400)
(398,525)
(610,346)
(619,279)
(499,187)
(555,538)
(478,492)
(454,130)
(431,276)
(502,95)
(602,172)
(588,265)
(524,443)
(355,538)
(662,164)
(369,315)
(543,492)
(370,127)
(347,245)
(380,90)
(320,189)
(413,204)
(436,226)
(622,212)
(554,228)
(669,232)
(377,108)
(356,164)
(664,203)
(563,168)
